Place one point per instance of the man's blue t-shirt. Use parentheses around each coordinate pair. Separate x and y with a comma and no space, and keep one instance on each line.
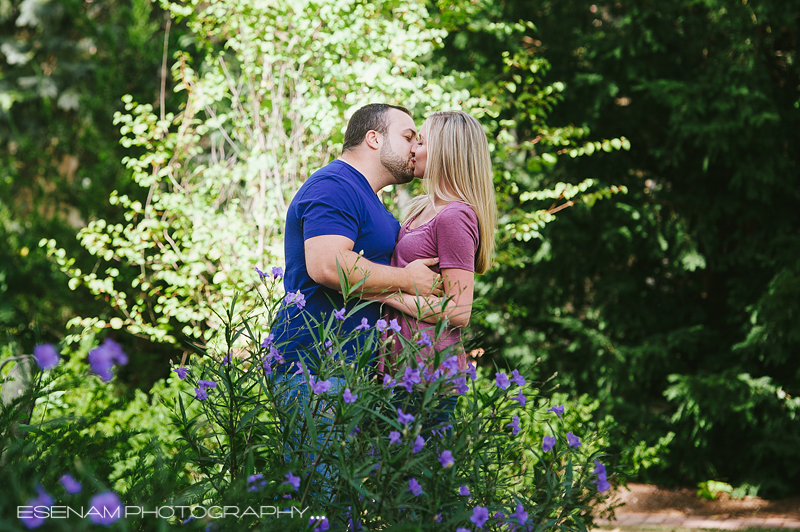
(335,200)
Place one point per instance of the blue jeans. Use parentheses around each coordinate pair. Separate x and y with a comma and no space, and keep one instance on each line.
(299,391)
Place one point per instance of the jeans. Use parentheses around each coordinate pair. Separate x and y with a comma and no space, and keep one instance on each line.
(299,394)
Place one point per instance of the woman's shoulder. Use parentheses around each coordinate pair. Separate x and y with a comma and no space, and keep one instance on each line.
(457,210)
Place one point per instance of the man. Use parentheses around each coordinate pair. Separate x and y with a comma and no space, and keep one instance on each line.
(336,218)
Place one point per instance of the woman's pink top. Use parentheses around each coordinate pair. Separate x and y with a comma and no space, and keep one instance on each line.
(452,235)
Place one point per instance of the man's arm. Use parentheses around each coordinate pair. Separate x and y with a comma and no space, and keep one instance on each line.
(323,252)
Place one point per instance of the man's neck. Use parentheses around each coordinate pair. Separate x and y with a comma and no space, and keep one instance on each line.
(367,169)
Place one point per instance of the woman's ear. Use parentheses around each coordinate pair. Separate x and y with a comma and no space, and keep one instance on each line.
(373,139)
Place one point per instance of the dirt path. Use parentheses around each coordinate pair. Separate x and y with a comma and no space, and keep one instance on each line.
(651,505)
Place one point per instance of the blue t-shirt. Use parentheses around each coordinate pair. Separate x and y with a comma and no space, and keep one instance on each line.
(335,200)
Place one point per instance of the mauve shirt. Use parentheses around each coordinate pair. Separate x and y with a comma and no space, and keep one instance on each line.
(452,235)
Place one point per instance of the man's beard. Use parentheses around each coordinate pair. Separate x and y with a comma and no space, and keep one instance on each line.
(401,170)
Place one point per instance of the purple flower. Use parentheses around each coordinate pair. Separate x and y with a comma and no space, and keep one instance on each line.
(446,459)
(349,397)
(464,490)
(339,314)
(394,437)
(323,523)
(37,518)
(70,484)
(380,325)
(470,371)
(459,529)
(226,360)
(518,379)
(388,381)
(548,443)
(277,272)
(200,394)
(501,379)
(411,376)
(275,355)
(429,376)
(520,398)
(292,480)
(602,480)
(364,325)
(393,325)
(521,515)
(499,515)
(559,410)
(404,418)
(419,443)
(46,356)
(425,340)
(182,372)
(461,385)
(295,297)
(103,358)
(105,508)
(514,425)
(451,365)
(261,274)
(572,440)
(414,487)
(479,516)
(267,367)
(320,387)
(254,484)
(204,385)
(329,347)
(268,340)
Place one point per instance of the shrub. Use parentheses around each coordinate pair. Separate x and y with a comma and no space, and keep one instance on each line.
(375,452)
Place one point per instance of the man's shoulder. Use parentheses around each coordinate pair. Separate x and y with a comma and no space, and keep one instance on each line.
(332,179)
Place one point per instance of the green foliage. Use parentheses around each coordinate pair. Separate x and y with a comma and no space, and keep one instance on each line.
(64,65)
(692,274)
(236,446)
(260,115)
(255,423)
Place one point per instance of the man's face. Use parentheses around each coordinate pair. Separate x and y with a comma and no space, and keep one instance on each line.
(399,140)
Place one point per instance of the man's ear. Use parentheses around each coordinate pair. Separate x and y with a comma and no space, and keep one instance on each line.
(373,139)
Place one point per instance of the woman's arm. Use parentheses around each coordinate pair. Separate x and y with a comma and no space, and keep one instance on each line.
(457,301)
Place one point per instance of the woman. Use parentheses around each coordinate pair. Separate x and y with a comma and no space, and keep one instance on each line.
(455,221)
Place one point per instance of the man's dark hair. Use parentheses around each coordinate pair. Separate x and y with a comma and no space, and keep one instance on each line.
(371,117)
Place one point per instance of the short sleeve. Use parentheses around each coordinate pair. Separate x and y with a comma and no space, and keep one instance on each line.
(328,207)
(457,237)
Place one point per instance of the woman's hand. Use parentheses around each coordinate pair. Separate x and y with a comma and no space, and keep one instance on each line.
(455,305)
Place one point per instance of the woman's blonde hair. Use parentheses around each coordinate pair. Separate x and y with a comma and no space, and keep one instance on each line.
(459,168)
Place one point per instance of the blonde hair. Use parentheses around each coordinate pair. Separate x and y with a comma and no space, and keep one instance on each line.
(459,168)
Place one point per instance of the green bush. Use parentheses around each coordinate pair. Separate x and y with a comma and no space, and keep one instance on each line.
(236,442)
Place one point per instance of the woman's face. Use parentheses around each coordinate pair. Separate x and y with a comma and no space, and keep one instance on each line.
(420,152)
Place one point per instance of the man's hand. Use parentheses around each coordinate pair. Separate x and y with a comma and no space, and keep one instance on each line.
(326,254)
(421,279)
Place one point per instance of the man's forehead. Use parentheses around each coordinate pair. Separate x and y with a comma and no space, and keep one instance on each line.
(400,121)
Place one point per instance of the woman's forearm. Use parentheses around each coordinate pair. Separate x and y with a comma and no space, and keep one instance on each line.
(429,309)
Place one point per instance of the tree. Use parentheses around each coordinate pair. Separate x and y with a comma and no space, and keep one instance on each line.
(675,304)
(65,65)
